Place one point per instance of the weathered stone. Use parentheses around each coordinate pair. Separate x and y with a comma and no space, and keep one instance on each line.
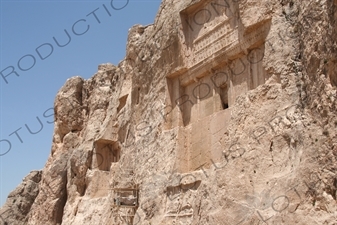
(20,201)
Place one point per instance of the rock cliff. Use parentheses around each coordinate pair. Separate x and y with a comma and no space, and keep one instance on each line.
(222,112)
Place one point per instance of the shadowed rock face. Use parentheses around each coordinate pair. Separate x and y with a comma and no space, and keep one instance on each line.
(20,201)
(222,112)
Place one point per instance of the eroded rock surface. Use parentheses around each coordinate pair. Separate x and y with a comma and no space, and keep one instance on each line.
(20,201)
(222,112)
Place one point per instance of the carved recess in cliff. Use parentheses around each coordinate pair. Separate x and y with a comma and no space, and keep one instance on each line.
(222,60)
(107,152)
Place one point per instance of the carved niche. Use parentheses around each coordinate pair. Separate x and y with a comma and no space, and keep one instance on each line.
(222,60)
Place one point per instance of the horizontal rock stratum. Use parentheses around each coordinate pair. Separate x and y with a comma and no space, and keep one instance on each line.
(222,112)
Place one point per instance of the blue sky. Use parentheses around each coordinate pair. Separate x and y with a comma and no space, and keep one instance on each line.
(27,29)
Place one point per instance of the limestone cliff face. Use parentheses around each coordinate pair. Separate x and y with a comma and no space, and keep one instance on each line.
(222,112)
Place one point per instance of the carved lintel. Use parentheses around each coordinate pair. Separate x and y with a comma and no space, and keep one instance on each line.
(220,55)
(177,72)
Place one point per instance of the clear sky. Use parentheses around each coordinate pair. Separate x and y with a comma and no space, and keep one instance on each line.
(27,29)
